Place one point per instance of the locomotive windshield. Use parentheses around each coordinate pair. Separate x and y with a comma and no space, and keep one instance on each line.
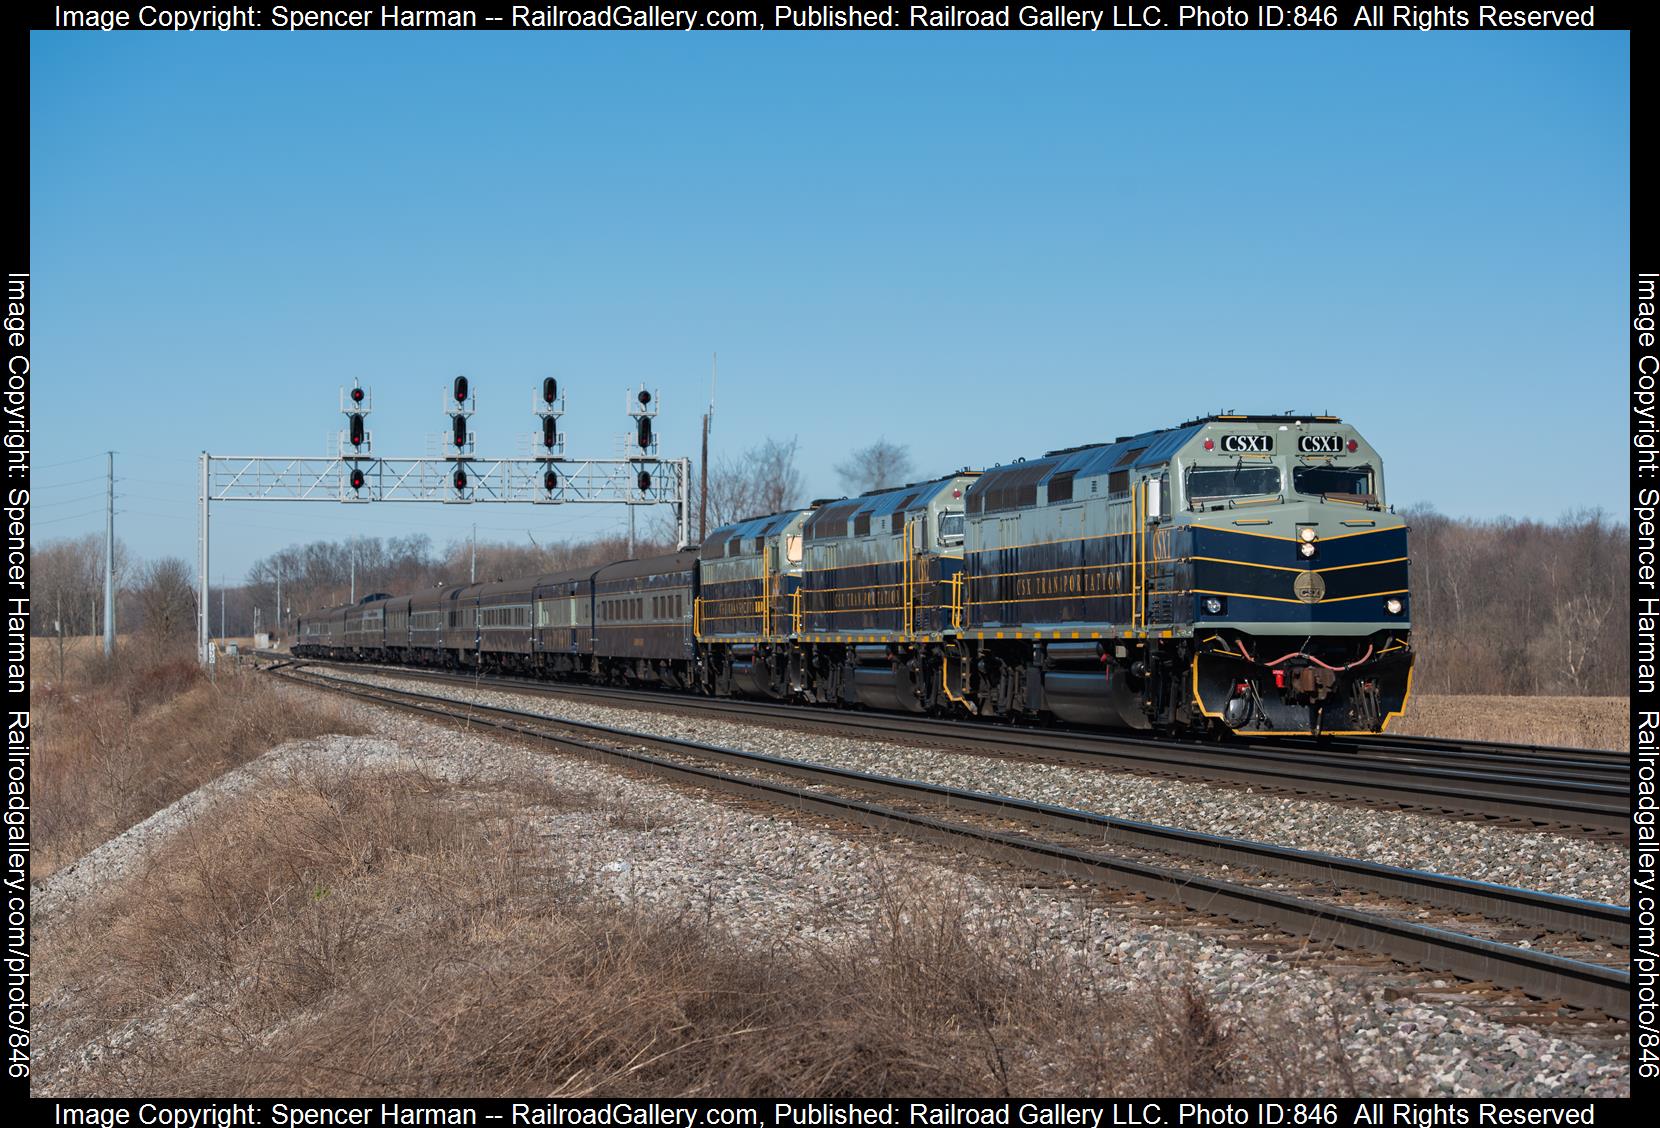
(1350,481)
(1210,483)
(951,527)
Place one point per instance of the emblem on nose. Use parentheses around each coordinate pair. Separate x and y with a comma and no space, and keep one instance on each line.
(1309,586)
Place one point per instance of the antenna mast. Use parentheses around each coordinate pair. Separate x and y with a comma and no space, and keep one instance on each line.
(703,488)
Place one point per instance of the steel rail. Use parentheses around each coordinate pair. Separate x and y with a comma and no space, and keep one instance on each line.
(1541,799)
(1585,763)
(1541,974)
(1384,740)
(1528,759)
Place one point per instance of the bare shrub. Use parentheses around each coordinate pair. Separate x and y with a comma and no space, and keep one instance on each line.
(121,738)
(357,934)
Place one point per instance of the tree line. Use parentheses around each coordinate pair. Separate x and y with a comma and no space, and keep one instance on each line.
(1513,606)
(1499,606)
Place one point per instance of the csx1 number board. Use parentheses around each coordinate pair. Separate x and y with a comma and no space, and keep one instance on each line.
(1320,444)
(1248,444)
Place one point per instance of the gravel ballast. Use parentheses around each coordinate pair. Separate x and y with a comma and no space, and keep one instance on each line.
(1574,867)
(773,880)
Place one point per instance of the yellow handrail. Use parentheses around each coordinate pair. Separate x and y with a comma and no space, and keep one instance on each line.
(908,580)
(766,594)
(1135,555)
(945,678)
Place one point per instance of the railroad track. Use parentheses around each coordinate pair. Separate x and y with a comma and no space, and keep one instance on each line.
(914,809)
(1535,791)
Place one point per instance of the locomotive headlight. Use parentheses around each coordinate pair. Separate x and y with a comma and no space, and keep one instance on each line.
(1306,549)
(1307,534)
(1393,606)
(1213,605)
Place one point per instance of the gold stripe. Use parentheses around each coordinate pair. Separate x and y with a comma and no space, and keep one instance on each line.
(1406,695)
(1284,568)
(1279,599)
(1363,564)
(1276,536)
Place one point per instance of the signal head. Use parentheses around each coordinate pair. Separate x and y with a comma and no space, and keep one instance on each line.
(458,430)
(645,397)
(550,480)
(459,389)
(357,393)
(550,432)
(644,481)
(357,478)
(550,389)
(642,432)
(355,430)
(460,478)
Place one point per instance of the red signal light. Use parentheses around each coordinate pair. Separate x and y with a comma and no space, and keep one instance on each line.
(356,430)
(460,478)
(458,430)
(550,432)
(460,389)
(550,390)
(357,394)
(550,480)
(357,478)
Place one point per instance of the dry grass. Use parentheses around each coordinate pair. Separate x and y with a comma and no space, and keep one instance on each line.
(1572,722)
(338,935)
(116,741)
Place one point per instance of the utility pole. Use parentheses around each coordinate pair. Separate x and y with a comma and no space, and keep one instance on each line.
(352,542)
(222,633)
(204,630)
(631,532)
(109,561)
(472,568)
(279,603)
(703,488)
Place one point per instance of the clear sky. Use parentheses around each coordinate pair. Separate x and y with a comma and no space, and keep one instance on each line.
(981,245)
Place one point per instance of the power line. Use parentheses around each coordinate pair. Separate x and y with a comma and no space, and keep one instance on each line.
(71,517)
(61,485)
(68,462)
(73,500)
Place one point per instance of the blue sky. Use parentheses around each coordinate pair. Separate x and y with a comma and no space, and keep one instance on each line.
(981,245)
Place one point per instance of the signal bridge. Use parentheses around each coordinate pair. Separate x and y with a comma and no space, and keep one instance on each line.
(356,476)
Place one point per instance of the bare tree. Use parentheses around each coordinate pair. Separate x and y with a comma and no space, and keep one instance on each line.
(877,466)
(166,598)
(1519,606)
(777,481)
(764,479)
(67,578)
